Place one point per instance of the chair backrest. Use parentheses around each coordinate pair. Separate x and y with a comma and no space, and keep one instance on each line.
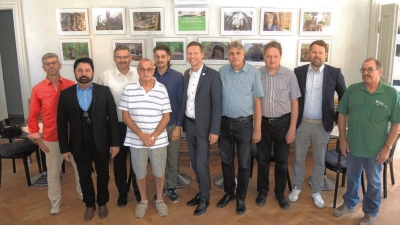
(4,123)
(389,160)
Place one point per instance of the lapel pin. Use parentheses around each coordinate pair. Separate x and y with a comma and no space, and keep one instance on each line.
(203,74)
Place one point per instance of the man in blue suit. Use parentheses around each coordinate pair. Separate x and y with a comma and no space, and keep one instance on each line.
(318,83)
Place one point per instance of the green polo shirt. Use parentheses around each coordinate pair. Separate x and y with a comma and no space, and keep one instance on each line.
(368,117)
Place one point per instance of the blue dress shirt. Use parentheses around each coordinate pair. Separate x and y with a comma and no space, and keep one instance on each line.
(84,97)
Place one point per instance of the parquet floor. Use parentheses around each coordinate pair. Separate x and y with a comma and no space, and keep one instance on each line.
(20,204)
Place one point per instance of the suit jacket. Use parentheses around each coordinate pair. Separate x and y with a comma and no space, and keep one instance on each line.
(104,120)
(208,101)
(333,81)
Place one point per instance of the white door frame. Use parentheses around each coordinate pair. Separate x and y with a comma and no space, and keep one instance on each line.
(24,78)
(3,100)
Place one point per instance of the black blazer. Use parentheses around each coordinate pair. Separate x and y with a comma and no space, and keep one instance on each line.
(208,101)
(104,120)
(333,81)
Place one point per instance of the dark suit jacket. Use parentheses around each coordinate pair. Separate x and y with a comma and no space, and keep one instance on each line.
(208,101)
(104,120)
(333,81)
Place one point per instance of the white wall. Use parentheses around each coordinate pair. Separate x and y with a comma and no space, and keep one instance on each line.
(349,40)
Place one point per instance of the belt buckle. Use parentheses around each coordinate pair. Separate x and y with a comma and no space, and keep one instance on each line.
(270,120)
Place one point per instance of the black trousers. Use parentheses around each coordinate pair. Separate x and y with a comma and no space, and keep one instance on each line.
(237,131)
(83,160)
(273,138)
(120,172)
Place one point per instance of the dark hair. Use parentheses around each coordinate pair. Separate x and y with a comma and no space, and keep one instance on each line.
(320,43)
(195,43)
(84,60)
(122,47)
(273,44)
(377,62)
(218,47)
(163,47)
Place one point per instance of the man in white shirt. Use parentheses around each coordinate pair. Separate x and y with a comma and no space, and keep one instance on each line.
(116,79)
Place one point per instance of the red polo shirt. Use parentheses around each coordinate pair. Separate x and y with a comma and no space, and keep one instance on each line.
(44,100)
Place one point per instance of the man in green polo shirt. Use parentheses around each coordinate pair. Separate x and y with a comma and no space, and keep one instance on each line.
(373,112)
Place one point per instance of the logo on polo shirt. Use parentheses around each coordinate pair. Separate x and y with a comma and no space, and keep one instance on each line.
(380,104)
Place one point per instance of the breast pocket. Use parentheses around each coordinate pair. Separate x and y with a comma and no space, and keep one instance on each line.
(282,95)
(246,87)
(379,113)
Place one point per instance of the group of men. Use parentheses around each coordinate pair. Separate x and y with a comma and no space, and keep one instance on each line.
(144,109)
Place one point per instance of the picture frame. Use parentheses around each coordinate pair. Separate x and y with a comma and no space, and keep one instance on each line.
(146,21)
(177,47)
(238,21)
(254,51)
(274,21)
(72,21)
(73,49)
(316,22)
(215,50)
(191,20)
(109,20)
(193,2)
(137,48)
(303,50)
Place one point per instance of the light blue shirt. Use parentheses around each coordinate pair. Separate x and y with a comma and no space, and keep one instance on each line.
(239,89)
(313,95)
(84,97)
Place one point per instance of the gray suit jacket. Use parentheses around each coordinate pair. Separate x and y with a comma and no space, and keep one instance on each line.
(208,101)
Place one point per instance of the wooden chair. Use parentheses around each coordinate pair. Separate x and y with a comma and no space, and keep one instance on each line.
(389,162)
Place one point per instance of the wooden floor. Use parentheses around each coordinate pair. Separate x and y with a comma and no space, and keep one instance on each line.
(20,204)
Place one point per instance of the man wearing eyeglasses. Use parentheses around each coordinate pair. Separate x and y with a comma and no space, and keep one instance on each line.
(44,101)
(318,83)
(372,111)
(145,110)
(87,125)
(116,79)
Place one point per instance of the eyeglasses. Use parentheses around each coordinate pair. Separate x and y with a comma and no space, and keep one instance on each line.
(149,70)
(369,70)
(121,57)
(86,115)
(55,63)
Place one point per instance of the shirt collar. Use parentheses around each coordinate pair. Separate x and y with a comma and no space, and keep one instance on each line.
(168,71)
(79,88)
(378,91)
(265,71)
(48,82)
(198,72)
(118,73)
(245,68)
(320,69)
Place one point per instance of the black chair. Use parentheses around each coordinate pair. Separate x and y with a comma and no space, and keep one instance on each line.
(389,162)
(254,156)
(335,162)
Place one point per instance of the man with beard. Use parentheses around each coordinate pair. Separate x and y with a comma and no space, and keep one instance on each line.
(173,81)
(318,83)
(116,79)
(87,125)
(44,100)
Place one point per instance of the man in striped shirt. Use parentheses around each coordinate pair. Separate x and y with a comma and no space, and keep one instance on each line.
(280,109)
(145,110)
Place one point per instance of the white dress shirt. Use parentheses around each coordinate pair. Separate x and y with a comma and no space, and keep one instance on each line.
(191,92)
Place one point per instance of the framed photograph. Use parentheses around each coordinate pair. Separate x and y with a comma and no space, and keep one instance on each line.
(215,50)
(238,21)
(191,20)
(254,51)
(73,49)
(109,20)
(177,47)
(147,21)
(316,22)
(276,21)
(193,2)
(304,48)
(72,21)
(136,46)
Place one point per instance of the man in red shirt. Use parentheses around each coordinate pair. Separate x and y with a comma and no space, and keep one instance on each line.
(44,100)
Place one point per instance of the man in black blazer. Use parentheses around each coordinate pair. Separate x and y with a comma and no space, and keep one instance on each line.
(87,126)
(202,102)
(318,83)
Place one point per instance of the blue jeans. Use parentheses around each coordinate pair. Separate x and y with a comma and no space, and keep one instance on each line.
(372,197)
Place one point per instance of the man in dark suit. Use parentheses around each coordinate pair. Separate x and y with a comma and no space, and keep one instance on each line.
(202,102)
(87,110)
(318,83)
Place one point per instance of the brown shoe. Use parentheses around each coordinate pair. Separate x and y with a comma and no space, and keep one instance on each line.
(89,213)
(103,212)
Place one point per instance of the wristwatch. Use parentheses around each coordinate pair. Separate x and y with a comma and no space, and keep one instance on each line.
(389,146)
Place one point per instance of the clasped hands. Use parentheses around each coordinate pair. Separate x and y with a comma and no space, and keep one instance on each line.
(147,139)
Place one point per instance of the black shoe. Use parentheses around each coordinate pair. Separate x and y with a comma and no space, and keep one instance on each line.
(240,206)
(261,198)
(225,200)
(202,207)
(173,195)
(194,201)
(122,199)
(283,202)
(137,194)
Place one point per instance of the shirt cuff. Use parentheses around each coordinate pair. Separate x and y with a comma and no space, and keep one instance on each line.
(34,135)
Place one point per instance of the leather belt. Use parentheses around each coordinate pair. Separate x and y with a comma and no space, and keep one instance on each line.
(275,119)
(237,119)
(312,121)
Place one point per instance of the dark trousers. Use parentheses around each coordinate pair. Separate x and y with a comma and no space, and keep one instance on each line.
(237,131)
(199,151)
(120,172)
(88,154)
(273,138)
